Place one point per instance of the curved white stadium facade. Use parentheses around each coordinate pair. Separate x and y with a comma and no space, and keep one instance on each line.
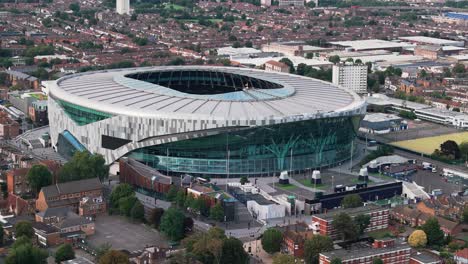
(205,120)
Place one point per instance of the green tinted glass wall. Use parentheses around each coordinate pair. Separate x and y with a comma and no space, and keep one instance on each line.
(262,150)
(82,115)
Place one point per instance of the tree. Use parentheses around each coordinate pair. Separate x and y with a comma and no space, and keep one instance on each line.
(377,261)
(172,193)
(358,61)
(217,212)
(24,228)
(459,68)
(417,239)
(172,224)
(236,44)
(435,236)
(155,217)
(233,251)
(362,222)
(280,258)
(208,246)
(122,190)
(180,198)
(465,214)
(450,148)
(138,211)
(464,150)
(243,180)
(314,246)
(249,44)
(84,165)
(75,7)
(345,226)
(336,261)
(22,251)
(271,240)
(126,204)
(114,257)
(64,252)
(351,201)
(334,59)
(1,235)
(188,224)
(38,177)
(289,63)
(102,249)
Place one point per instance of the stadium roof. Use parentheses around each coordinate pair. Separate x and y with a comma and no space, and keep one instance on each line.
(292,96)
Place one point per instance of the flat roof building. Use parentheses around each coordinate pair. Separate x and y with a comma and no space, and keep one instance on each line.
(432,41)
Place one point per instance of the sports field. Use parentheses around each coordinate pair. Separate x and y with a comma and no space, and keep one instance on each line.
(427,145)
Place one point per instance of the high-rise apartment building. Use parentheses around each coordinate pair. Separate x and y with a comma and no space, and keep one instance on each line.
(123,7)
(351,76)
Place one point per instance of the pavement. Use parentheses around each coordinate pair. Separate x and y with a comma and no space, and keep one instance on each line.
(123,234)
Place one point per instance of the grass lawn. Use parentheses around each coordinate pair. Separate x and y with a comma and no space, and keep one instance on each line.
(215,20)
(427,145)
(306,182)
(380,234)
(286,186)
(380,176)
(175,7)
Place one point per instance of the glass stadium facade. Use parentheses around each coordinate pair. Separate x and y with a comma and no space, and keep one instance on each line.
(263,150)
(199,120)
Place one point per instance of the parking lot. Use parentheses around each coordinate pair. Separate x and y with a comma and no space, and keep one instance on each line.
(122,234)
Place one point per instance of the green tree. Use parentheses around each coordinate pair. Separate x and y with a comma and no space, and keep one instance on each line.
(172,224)
(2,234)
(64,252)
(138,211)
(217,212)
(345,226)
(233,252)
(377,261)
(206,247)
(22,251)
(155,217)
(122,190)
(180,198)
(351,201)
(334,59)
(459,68)
(243,180)
(336,261)
(450,148)
(114,257)
(314,246)
(24,228)
(435,236)
(38,177)
(83,165)
(126,204)
(289,63)
(280,258)
(465,214)
(362,222)
(102,249)
(75,7)
(271,240)
(172,193)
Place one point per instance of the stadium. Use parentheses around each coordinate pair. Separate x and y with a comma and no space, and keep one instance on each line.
(204,120)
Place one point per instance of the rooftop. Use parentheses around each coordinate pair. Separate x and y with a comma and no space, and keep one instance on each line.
(369,44)
(350,211)
(71,187)
(246,94)
(429,40)
(363,252)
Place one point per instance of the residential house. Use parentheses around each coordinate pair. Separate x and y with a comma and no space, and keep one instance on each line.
(461,256)
(9,128)
(68,194)
(17,181)
(276,66)
(294,237)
